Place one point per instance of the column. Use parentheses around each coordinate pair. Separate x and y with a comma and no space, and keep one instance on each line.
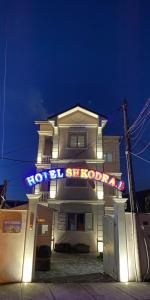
(99,144)
(28,261)
(99,190)
(120,239)
(40,148)
(55,143)
(100,214)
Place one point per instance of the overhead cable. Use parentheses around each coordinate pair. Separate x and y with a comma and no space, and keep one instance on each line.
(148,161)
(143,149)
(141,116)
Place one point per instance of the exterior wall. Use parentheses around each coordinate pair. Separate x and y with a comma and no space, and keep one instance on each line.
(74,237)
(110,266)
(12,247)
(88,152)
(143,234)
(111,145)
(79,118)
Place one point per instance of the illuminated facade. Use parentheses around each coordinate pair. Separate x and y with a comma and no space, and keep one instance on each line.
(74,141)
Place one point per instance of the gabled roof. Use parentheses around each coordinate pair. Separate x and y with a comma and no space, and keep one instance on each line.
(77,106)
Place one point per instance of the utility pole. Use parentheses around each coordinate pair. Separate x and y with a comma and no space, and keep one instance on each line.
(131,183)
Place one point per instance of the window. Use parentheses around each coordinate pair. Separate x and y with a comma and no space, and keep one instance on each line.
(48,146)
(108,157)
(77,140)
(71,222)
(76,222)
(80,222)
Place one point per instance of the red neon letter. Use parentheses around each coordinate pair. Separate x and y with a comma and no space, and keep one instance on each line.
(76,172)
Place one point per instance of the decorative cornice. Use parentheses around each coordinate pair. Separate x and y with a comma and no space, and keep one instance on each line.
(94,202)
(78,125)
(90,161)
(43,166)
(78,108)
(120,200)
(45,132)
(34,196)
(41,122)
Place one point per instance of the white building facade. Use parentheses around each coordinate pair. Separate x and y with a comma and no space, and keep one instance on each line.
(75,139)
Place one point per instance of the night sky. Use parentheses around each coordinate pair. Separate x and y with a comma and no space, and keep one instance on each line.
(60,53)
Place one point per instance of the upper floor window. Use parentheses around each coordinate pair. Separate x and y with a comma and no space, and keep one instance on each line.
(77,140)
(108,157)
(48,144)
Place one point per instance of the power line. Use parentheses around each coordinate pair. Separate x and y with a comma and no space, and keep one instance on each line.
(140,131)
(19,160)
(140,157)
(4,98)
(18,149)
(143,149)
(140,118)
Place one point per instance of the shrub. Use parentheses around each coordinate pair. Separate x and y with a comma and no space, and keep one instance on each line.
(81,248)
(63,247)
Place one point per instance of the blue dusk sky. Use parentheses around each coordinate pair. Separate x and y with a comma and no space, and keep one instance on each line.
(60,53)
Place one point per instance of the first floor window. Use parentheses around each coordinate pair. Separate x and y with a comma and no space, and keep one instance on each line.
(79,221)
(71,222)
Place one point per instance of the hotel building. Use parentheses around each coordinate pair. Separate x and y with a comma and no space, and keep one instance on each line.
(75,139)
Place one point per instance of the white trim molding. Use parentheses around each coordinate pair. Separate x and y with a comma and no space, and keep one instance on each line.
(78,108)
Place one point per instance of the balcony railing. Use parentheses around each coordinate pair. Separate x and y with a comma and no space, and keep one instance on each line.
(46,159)
(44,196)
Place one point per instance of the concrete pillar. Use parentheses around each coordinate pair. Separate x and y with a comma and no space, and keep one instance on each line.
(40,148)
(55,143)
(120,239)
(100,214)
(99,144)
(28,261)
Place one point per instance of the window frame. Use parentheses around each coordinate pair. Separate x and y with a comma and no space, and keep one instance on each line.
(77,134)
(85,216)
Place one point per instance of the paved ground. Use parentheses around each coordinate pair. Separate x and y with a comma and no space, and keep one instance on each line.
(73,268)
(75,291)
(75,277)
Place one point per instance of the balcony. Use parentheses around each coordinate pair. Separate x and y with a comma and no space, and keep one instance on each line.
(46,159)
(44,196)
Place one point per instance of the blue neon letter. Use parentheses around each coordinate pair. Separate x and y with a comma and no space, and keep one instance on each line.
(31,180)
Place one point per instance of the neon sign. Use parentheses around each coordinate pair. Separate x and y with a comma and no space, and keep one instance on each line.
(60,173)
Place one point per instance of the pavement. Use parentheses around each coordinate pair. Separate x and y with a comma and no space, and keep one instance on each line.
(70,268)
(75,291)
(75,277)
